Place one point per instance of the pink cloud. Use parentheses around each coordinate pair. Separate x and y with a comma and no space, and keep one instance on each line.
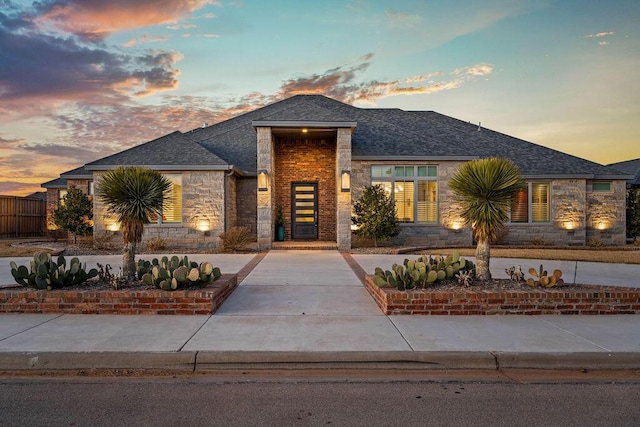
(95,19)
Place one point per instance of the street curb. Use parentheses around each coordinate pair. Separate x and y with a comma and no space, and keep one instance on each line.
(207,360)
(578,360)
(203,361)
(53,361)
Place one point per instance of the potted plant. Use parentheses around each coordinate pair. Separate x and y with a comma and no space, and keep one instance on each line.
(280,224)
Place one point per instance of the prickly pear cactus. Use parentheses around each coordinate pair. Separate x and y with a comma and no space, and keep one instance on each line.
(422,272)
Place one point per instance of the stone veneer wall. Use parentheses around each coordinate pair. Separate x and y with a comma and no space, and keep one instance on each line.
(438,234)
(567,226)
(202,199)
(307,160)
(53,195)
(247,214)
(572,201)
(343,206)
(231,204)
(266,198)
(606,217)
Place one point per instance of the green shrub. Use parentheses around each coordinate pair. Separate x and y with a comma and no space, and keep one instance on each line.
(74,213)
(375,215)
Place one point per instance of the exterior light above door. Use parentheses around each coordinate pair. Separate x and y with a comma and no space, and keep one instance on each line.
(345,181)
(263,179)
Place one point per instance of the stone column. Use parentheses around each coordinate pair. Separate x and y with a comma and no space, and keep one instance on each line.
(265,199)
(343,205)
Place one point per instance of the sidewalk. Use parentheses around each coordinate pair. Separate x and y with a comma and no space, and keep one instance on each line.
(290,309)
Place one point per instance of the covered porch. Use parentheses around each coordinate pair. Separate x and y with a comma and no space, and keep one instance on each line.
(304,172)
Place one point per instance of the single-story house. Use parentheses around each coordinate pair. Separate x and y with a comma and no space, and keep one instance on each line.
(312,156)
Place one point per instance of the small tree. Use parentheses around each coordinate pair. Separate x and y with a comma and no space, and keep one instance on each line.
(74,213)
(375,215)
(633,213)
(486,188)
(133,194)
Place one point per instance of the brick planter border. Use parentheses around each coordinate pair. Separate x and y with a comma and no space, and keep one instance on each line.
(591,300)
(199,301)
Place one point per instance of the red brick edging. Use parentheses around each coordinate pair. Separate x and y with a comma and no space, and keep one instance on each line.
(592,300)
(197,301)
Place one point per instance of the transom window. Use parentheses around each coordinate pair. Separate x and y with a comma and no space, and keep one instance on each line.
(601,186)
(414,190)
(172,209)
(532,204)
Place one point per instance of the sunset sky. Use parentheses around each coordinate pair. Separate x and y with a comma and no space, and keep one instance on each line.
(82,79)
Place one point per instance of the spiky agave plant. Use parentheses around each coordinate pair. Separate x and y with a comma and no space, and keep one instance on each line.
(133,195)
(486,188)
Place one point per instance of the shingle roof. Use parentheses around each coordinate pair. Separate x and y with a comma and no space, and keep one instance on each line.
(169,152)
(379,133)
(77,173)
(631,167)
(55,183)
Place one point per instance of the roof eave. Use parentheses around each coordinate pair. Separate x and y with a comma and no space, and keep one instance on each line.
(414,158)
(302,124)
(168,167)
(576,176)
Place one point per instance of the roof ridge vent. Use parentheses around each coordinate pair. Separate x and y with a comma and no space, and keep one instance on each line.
(479,126)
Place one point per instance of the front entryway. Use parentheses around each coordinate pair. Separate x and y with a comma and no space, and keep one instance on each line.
(304,210)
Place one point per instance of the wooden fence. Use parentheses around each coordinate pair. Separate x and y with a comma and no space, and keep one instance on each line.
(21,217)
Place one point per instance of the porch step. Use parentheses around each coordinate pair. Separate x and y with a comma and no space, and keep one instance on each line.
(309,245)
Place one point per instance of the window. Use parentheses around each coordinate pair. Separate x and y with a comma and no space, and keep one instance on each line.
(61,195)
(172,209)
(90,188)
(414,190)
(601,186)
(531,204)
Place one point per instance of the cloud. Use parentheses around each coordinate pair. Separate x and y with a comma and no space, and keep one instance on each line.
(40,68)
(598,35)
(401,19)
(340,83)
(145,38)
(211,36)
(96,19)
(92,127)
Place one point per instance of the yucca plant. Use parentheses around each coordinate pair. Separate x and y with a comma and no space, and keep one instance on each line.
(486,188)
(133,195)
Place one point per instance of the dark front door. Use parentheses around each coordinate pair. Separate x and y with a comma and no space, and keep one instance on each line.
(304,206)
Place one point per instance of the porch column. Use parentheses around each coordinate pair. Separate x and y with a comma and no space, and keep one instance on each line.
(266,197)
(343,205)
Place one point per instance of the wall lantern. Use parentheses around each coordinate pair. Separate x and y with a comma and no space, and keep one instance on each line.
(345,181)
(113,227)
(262,180)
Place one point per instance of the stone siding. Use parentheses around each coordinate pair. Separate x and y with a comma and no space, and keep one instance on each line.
(606,215)
(307,160)
(266,198)
(231,204)
(202,200)
(247,214)
(579,216)
(442,233)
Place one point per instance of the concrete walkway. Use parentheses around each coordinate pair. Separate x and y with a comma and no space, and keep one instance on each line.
(309,306)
